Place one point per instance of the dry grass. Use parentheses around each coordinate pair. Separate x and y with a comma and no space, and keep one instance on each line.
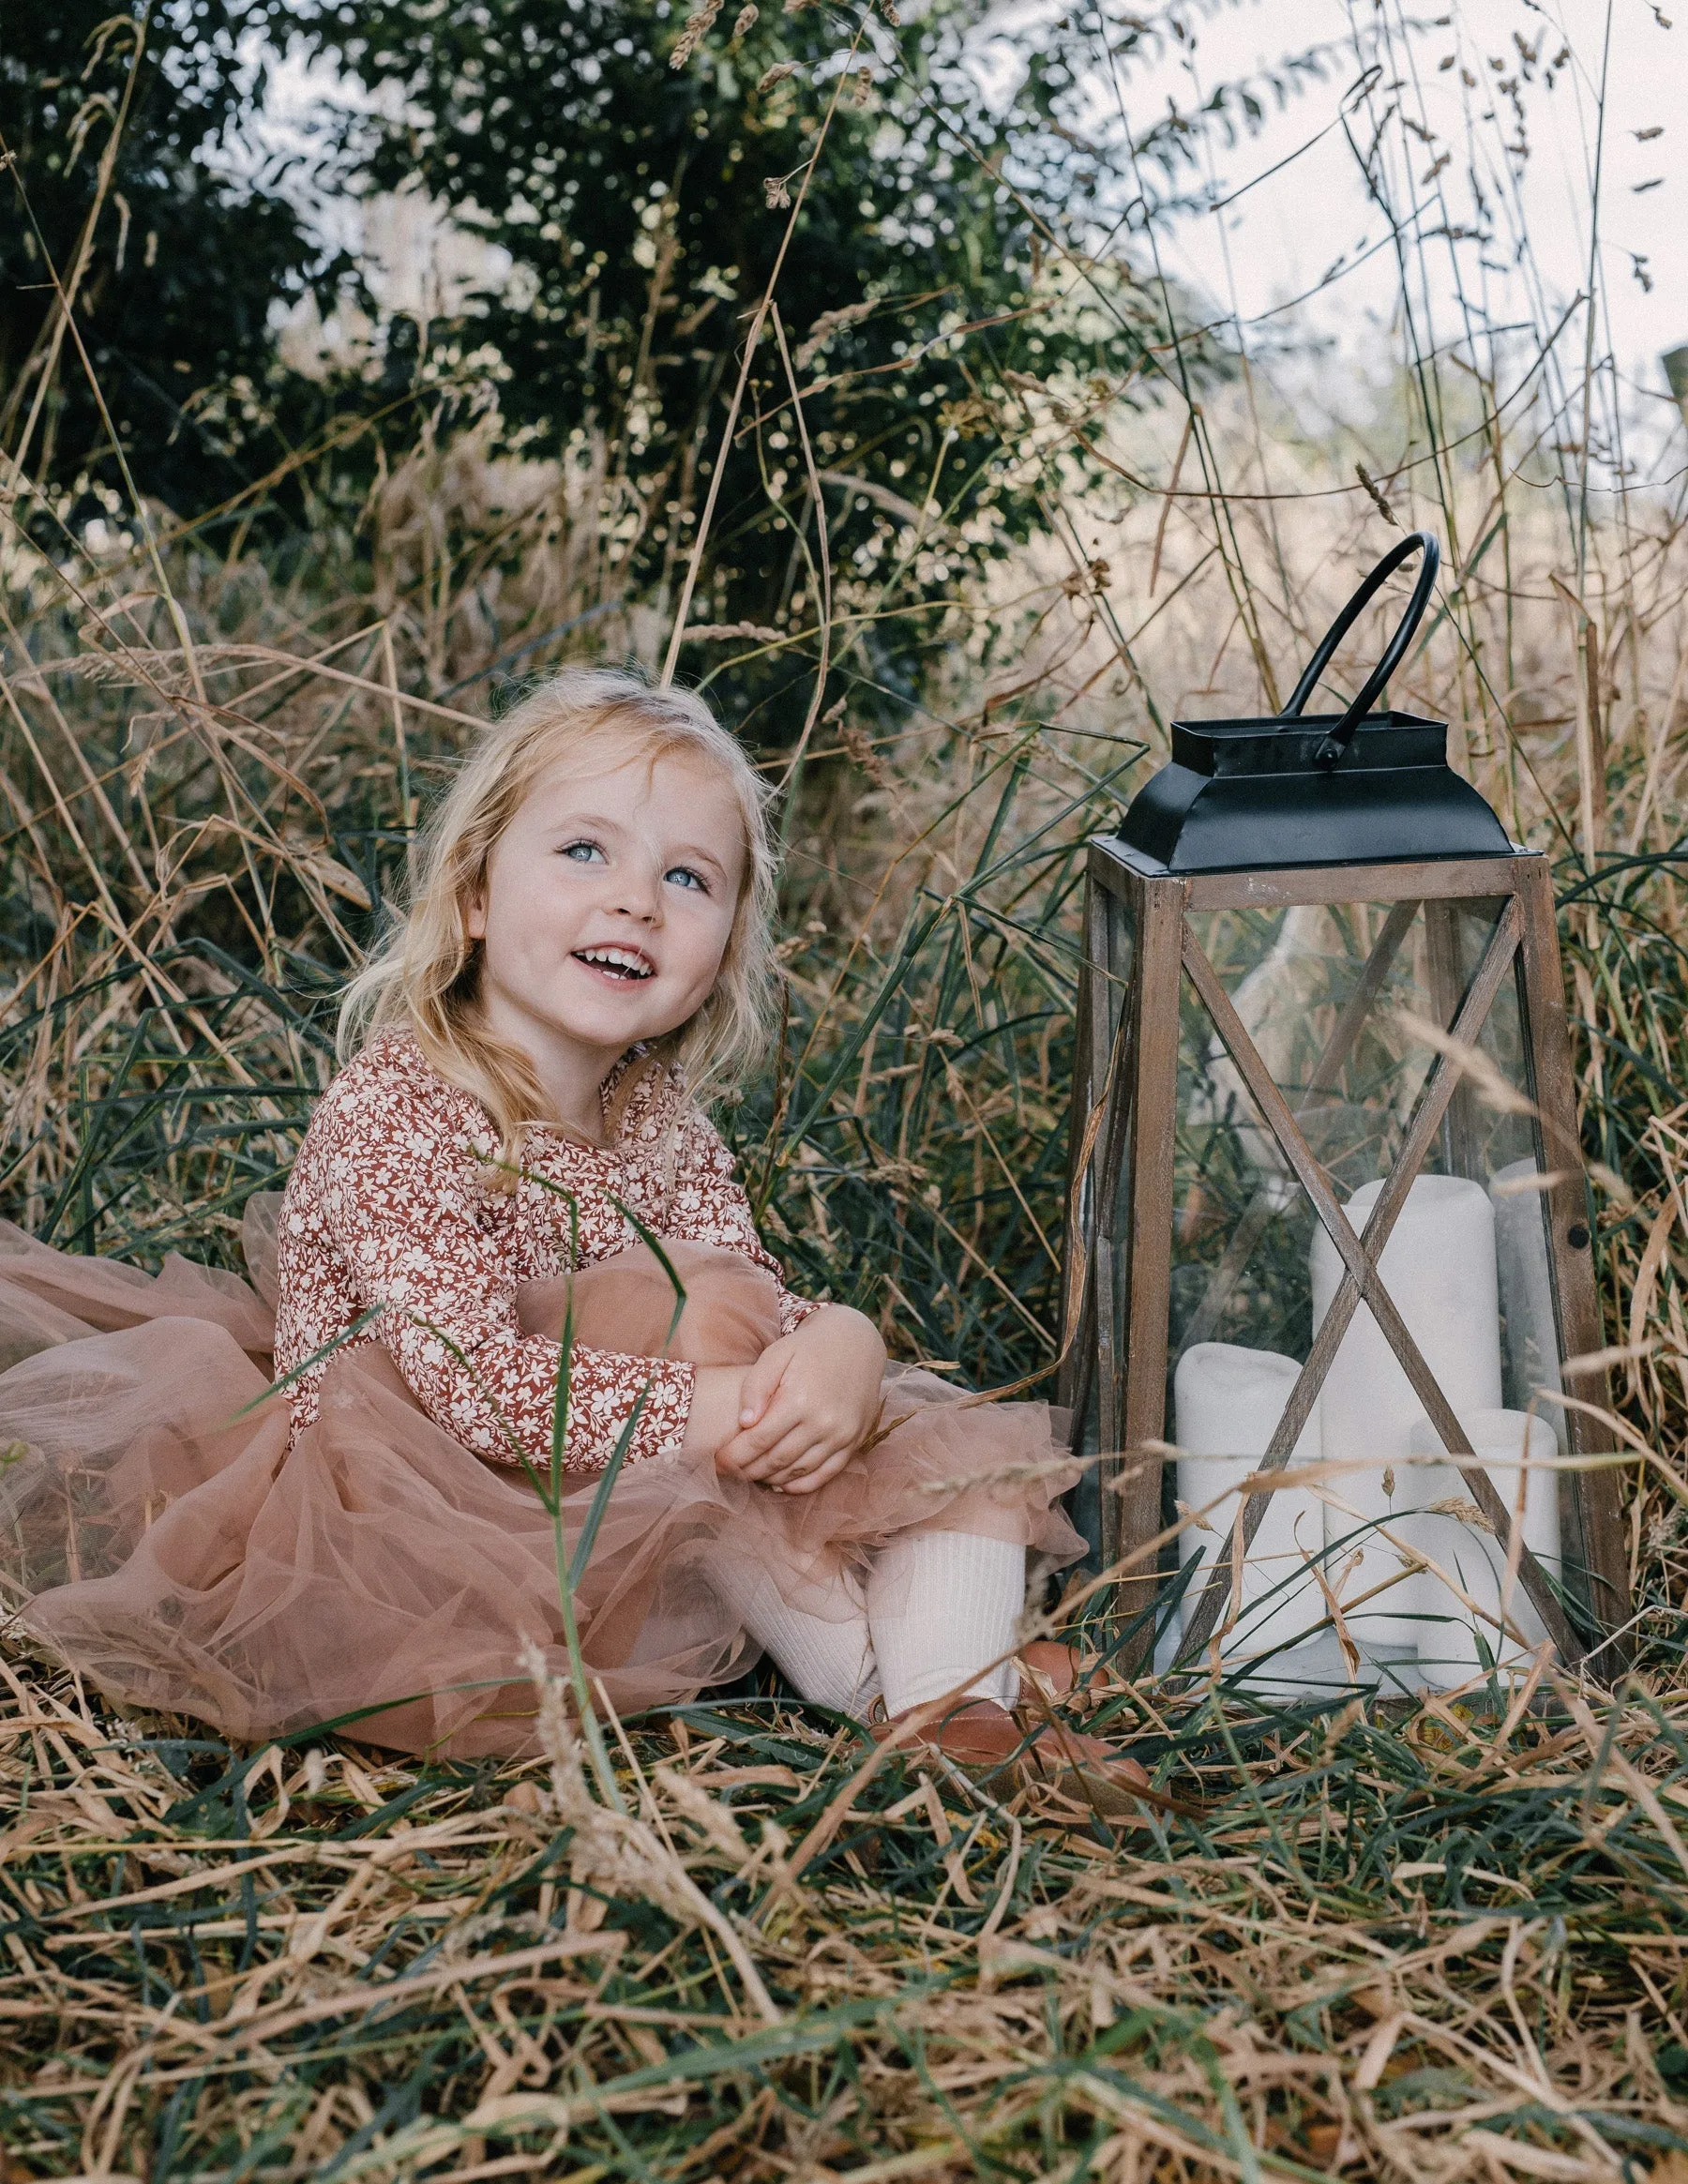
(306,1964)
(1436,1942)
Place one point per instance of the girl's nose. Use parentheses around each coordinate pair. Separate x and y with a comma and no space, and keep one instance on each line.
(641,897)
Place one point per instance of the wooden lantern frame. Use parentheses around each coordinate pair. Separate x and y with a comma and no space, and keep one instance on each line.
(1123,1122)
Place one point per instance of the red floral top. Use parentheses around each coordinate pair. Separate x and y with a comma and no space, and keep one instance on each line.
(385,1207)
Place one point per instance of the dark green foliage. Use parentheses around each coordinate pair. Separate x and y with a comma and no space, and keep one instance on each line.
(182,262)
(643,208)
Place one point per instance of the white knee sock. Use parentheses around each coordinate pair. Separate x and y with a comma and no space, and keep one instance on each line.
(939,1605)
(829,1661)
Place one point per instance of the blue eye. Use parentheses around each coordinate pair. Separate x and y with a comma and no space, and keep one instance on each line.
(583,852)
(683,876)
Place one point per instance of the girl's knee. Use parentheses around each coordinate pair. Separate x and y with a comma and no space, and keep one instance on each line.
(728,1307)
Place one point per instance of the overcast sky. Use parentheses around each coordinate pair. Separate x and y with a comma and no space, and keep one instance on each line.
(1279,239)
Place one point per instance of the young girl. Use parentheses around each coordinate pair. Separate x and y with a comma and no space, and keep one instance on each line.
(587,958)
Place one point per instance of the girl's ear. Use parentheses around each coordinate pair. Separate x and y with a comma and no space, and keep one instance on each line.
(475,916)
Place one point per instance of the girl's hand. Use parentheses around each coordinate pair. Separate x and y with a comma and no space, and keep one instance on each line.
(808,1403)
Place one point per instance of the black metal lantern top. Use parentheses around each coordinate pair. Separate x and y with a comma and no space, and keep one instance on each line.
(1361,788)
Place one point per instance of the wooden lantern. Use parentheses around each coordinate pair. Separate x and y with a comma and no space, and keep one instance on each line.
(1315,967)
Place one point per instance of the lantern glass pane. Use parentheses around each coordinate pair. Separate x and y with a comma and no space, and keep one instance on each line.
(1347,1007)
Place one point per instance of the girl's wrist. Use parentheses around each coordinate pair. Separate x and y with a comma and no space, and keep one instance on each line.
(718,1392)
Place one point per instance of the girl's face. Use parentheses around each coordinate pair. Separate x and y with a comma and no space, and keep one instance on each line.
(607,906)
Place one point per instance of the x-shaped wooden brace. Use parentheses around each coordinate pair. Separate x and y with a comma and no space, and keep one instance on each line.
(1360,1281)
(1263,1205)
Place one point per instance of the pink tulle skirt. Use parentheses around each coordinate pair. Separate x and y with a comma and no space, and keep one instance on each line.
(159,1534)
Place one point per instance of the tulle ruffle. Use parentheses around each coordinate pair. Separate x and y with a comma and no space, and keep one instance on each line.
(158,1533)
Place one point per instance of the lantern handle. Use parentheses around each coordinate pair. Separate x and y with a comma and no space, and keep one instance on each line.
(1337,742)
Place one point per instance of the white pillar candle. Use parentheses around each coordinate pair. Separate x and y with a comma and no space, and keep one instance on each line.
(1438,1268)
(1227,1403)
(1531,1331)
(1476,1559)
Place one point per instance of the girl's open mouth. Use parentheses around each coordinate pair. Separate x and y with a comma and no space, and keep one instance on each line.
(629,964)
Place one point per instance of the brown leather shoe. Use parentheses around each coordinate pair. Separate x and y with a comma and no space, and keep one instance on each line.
(985,1738)
(1056,1667)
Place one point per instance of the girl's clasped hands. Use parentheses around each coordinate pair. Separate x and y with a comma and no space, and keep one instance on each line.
(794,1419)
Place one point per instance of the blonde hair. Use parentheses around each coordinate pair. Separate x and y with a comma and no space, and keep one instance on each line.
(425,977)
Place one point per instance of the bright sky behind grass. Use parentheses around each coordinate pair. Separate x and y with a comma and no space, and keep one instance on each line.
(1280,240)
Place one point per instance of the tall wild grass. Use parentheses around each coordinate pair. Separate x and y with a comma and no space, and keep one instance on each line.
(1447,1942)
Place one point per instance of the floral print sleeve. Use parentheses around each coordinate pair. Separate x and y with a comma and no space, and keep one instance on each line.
(401,1202)
(709,1205)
